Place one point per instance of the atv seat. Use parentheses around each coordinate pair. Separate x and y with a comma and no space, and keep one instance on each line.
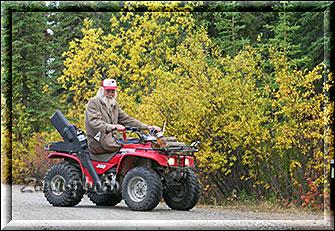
(105,157)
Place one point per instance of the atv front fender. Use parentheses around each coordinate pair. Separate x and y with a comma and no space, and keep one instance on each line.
(159,158)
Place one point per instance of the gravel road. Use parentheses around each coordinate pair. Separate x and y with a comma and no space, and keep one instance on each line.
(30,211)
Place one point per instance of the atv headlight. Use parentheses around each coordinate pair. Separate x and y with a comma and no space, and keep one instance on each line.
(171,161)
(187,162)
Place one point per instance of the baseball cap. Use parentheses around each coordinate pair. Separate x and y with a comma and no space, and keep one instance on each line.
(109,84)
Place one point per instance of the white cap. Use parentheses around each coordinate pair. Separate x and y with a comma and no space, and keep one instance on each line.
(109,84)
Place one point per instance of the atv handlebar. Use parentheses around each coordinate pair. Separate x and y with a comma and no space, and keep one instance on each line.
(153,131)
(144,137)
(129,129)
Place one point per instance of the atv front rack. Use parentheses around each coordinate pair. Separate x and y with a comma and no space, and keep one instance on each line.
(168,150)
(173,149)
(180,152)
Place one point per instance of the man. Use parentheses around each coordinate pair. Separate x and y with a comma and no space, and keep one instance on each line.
(103,117)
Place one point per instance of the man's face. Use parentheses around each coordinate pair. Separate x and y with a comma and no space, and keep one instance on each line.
(110,93)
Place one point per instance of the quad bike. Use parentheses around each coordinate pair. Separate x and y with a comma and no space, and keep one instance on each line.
(141,173)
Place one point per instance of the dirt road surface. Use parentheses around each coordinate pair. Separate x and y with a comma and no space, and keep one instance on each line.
(31,211)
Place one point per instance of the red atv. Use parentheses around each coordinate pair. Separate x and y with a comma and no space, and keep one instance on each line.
(141,172)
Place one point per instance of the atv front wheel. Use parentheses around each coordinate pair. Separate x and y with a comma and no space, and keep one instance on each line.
(108,199)
(142,189)
(184,196)
(62,185)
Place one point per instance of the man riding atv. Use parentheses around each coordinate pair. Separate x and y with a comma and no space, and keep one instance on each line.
(109,167)
(103,117)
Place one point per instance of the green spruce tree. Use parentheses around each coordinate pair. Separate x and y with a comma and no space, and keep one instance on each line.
(284,33)
(30,84)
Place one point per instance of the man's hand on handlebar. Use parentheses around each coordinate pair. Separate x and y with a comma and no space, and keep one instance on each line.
(158,129)
(118,127)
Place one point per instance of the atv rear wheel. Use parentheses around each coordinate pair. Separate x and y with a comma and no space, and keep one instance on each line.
(108,199)
(184,196)
(142,189)
(62,185)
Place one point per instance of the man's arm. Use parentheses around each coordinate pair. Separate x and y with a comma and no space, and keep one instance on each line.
(127,120)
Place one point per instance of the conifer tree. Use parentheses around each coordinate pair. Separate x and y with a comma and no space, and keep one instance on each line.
(66,26)
(30,83)
(285,32)
(312,27)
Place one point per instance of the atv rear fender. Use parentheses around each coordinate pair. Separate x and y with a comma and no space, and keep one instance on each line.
(57,155)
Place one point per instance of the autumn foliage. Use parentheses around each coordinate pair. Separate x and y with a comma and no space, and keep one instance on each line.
(263,126)
(30,160)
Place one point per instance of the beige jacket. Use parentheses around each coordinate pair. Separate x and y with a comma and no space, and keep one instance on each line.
(97,118)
